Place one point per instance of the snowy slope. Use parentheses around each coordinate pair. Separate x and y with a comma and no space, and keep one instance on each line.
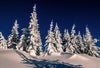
(9,59)
(20,59)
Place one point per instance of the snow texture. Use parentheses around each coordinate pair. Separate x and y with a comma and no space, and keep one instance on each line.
(13,37)
(3,42)
(23,41)
(90,47)
(19,59)
(34,45)
(58,40)
(50,40)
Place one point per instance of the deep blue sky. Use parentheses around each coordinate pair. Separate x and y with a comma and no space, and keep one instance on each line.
(64,12)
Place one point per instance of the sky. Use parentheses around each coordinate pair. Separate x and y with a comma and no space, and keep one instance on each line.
(64,12)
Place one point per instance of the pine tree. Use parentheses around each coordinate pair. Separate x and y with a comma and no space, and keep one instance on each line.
(90,49)
(50,40)
(35,43)
(23,41)
(80,43)
(67,42)
(74,40)
(58,40)
(3,42)
(13,37)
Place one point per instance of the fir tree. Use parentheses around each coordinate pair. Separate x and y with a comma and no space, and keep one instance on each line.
(35,43)
(50,40)
(80,43)
(90,47)
(74,40)
(23,41)
(3,42)
(13,37)
(67,42)
(58,40)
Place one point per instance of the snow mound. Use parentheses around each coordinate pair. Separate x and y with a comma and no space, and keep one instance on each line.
(56,54)
(20,59)
(67,55)
(78,57)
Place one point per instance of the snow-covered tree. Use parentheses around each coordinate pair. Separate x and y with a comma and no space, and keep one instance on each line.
(74,40)
(67,46)
(80,43)
(58,40)
(34,46)
(23,41)
(50,40)
(90,47)
(3,42)
(13,37)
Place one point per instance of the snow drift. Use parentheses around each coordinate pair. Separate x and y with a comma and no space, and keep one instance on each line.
(20,59)
(81,58)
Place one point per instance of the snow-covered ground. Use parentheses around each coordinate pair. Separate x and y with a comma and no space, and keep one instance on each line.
(20,59)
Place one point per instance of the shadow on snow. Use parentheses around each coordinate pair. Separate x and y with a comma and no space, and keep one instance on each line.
(45,63)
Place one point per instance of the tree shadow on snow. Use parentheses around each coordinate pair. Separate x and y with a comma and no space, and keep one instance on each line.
(45,63)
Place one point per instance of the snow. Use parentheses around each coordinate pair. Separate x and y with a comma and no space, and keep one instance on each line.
(53,56)
(20,59)
(9,59)
(58,40)
(79,57)
(75,48)
(13,37)
(50,40)
(34,37)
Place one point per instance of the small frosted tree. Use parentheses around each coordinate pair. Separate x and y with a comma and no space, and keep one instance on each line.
(13,37)
(80,43)
(34,46)
(23,41)
(74,40)
(50,40)
(90,47)
(67,46)
(3,42)
(58,40)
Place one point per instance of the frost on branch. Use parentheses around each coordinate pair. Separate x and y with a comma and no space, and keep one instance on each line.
(58,40)
(50,40)
(74,40)
(34,46)
(13,37)
(3,42)
(90,47)
(80,43)
(23,41)
(67,46)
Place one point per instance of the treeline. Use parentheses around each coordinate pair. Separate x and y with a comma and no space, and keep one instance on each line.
(30,40)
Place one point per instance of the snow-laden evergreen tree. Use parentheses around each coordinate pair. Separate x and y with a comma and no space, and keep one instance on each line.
(80,43)
(3,42)
(67,46)
(58,40)
(13,37)
(74,40)
(50,40)
(65,41)
(90,47)
(34,46)
(23,41)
